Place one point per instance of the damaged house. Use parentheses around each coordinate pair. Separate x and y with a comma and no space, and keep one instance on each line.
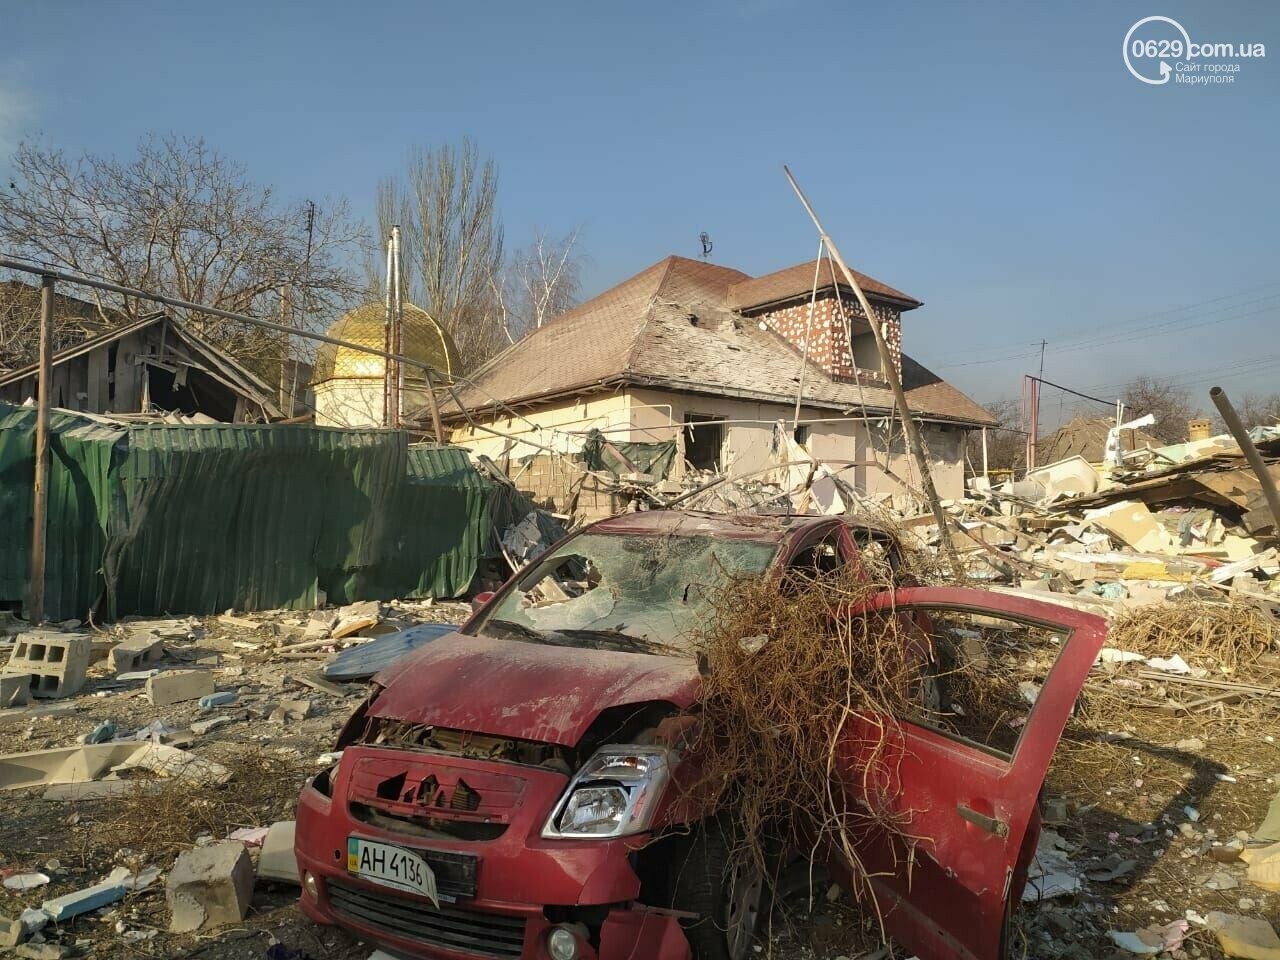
(155,364)
(710,359)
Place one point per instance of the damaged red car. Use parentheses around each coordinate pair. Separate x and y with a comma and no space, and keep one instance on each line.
(508,791)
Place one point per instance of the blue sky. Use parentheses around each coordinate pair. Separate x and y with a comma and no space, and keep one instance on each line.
(995,160)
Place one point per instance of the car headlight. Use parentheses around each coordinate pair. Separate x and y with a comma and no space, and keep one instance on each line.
(613,795)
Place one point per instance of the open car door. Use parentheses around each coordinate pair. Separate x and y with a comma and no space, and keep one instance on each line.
(960,783)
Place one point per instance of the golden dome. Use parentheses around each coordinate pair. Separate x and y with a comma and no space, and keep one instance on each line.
(421,339)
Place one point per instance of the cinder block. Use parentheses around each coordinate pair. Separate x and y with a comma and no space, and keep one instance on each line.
(175,686)
(277,861)
(57,661)
(137,653)
(11,932)
(15,689)
(209,886)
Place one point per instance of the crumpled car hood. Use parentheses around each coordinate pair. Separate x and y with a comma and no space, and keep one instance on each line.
(528,691)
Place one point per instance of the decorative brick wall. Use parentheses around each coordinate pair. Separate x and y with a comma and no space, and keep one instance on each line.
(828,340)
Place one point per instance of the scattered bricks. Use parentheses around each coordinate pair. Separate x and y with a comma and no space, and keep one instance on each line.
(319,624)
(290,710)
(83,901)
(175,686)
(42,951)
(15,689)
(277,861)
(11,933)
(209,886)
(137,653)
(56,661)
(219,699)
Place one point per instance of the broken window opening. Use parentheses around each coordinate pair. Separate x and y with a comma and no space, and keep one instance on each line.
(703,441)
(984,675)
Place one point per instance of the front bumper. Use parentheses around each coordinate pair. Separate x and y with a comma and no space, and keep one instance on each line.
(501,912)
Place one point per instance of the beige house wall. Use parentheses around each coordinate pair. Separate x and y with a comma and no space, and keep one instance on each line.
(555,426)
(647,415)
(832,437)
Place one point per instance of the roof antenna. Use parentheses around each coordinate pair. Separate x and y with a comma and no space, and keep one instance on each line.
(706,244)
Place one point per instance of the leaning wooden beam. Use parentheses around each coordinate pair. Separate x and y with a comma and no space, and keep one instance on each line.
(895,381)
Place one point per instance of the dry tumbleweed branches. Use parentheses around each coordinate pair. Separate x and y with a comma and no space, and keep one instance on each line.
(1235,633)
(790,676)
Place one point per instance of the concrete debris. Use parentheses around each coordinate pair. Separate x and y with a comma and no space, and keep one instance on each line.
(277,860)
(1264,867)
(290,710)
(1248,937)
(137,652)
(56,662)
(11,932)
(42,951)
(1269,829)
(15,689)
(111,889)
(209,886)
(25,881)
(72,765)
(175,686)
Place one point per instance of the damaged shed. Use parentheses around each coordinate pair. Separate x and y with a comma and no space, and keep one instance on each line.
(157,363)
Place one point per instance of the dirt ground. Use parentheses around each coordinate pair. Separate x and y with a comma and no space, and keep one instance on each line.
(1131,782)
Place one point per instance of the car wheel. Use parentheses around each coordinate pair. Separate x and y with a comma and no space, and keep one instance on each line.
(715,879)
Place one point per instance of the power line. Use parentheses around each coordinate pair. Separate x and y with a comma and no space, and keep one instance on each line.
(1078,334)
(1141,333)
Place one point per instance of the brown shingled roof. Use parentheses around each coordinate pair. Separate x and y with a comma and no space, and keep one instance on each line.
(671,326)
(796,283)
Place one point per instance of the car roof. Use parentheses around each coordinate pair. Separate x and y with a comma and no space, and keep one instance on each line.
(770,527)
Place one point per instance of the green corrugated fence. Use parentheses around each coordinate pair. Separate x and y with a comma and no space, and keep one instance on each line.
(166,518)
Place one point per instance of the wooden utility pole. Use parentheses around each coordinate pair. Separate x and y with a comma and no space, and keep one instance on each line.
(895,382)
(40,488)
(433,406)
(287,321)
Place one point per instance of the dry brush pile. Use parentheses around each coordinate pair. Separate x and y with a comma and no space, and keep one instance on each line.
(788,674)
(1234,633)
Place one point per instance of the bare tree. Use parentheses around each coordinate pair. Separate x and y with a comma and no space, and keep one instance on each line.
(180,218)
(1171,405)
(538,283)
(446,205)
(74,320)
(1260,410)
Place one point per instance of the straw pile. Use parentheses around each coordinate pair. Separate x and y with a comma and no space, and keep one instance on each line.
(1234,633)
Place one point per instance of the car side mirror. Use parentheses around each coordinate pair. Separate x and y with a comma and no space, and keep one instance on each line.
(480,599)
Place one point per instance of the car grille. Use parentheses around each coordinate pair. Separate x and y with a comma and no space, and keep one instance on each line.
(484,934)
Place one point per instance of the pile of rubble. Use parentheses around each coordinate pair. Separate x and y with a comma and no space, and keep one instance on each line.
(152,800)
(1190,520)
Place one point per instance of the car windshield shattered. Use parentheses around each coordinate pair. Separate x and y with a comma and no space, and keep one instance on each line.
(644,594)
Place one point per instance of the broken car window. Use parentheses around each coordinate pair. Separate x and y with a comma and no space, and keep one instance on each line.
(984,676)
(644,593)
